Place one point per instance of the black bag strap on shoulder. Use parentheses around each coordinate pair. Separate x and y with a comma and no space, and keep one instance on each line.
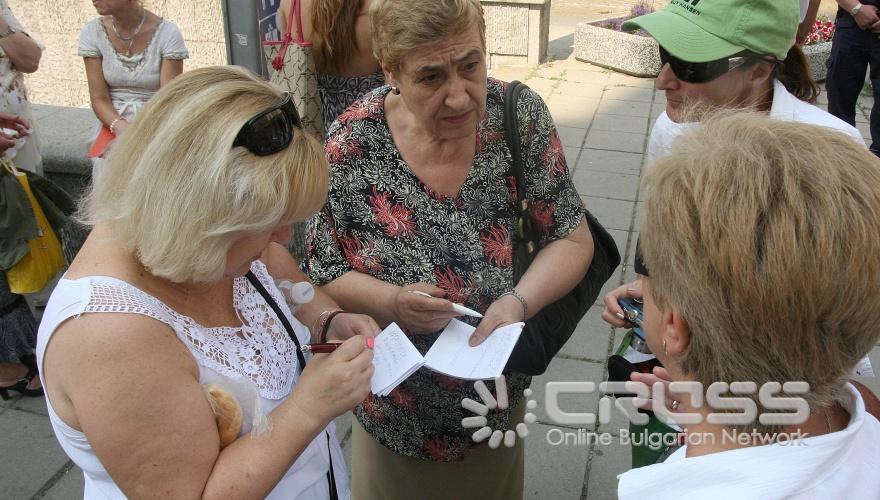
(258,285)
(551,327)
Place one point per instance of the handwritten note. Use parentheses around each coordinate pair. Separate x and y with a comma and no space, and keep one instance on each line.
(395,358)
(452,355)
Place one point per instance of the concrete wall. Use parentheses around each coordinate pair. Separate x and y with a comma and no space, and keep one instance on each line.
(61,79)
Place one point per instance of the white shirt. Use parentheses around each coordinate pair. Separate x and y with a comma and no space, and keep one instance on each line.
(785,107)
(267,358)
(841,464)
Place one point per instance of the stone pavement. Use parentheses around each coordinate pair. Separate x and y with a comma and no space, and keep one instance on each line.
(603,120)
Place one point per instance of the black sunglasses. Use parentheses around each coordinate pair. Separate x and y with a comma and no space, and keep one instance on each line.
(270,130)
(705,71)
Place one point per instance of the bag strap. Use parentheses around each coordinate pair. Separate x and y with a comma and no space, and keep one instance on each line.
(525,235)
(274,305)
(258,285)
(511,132)
(287,39)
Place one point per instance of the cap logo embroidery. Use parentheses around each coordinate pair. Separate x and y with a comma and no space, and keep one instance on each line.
(688,5)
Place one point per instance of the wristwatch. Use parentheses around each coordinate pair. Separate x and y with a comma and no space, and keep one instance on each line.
(8,31)
(855,10)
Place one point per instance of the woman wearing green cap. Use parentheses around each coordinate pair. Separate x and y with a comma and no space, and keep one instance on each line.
(726,54)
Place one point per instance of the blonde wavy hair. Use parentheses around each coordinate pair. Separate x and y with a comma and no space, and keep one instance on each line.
(176,192)
(399,26)
(765,235)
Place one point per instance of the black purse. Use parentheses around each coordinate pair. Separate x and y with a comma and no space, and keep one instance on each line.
(548,330)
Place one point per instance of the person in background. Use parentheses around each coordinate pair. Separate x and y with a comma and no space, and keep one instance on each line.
(809,12)
(129,53)
(19,54)
(174,290)
(707,64)
(760,240)
(854,48)
(340,34)
(18,328)
(421,200)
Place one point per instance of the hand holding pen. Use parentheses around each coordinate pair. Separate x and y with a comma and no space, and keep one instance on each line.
(422,308)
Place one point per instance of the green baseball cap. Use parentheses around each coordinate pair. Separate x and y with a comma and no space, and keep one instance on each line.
(707,30)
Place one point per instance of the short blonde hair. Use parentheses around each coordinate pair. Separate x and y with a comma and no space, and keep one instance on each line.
(176,191)
(399,26)
(766,237)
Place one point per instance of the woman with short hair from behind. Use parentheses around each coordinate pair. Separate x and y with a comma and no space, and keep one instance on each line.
(761,240)
(173,293)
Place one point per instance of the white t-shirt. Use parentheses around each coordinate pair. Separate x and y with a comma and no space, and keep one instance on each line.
(785,107)
(837,465)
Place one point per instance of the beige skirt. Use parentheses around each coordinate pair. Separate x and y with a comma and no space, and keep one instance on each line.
(378,473)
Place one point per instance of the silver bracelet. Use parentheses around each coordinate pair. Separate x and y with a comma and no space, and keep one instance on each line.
(521,299)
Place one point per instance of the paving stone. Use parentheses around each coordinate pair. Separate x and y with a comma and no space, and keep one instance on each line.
(572,114)
(553,471)
(590,339)
(657,109)
(542,86)
(70,486)
(32,405)
(616,141)
(620,239)
(660,96)
(567,370)
(606,462)
(630,81)
(31,453)
(623,93)
(626,108)
(571,137)
(576,89)
(613,214)
(510,73)
(618,123)
(571,157)
(611,161)
(606,184)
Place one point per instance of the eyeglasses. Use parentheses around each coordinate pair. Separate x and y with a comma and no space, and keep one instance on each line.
(270,130)
(705,71)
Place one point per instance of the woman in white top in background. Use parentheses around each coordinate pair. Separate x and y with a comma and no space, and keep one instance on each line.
(129,53)
(162,299)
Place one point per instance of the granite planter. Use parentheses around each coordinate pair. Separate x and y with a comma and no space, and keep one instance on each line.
(817,54)
(620,51)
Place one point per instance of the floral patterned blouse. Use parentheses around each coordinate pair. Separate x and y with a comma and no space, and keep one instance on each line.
(381,220)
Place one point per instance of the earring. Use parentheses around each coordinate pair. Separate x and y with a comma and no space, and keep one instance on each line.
(664,348)
(395,90)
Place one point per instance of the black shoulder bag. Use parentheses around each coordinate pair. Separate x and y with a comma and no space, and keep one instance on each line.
(548,330)
(331,477)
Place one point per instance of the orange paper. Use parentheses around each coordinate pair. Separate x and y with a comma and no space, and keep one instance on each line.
(99,147)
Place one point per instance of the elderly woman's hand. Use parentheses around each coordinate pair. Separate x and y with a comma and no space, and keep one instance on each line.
(346,325)
(416,313)
(504,311)
(334,383)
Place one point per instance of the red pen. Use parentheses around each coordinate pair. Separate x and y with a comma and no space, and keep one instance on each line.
(320,348)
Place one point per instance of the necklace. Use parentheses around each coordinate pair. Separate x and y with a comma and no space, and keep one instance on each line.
(133,35)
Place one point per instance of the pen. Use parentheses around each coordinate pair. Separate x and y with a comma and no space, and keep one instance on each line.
(455,307)
(320,348)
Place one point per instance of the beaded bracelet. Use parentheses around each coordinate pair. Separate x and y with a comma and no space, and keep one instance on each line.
(112,126)
(521,299)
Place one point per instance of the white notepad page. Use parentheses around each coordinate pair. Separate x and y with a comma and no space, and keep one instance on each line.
(395,358)
(452,355)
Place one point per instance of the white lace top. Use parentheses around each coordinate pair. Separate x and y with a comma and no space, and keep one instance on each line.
(260,351)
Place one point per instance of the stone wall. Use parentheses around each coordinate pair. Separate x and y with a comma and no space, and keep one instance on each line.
(61,79)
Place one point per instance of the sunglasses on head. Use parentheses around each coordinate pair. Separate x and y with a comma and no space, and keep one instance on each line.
(705,71)
(270,130)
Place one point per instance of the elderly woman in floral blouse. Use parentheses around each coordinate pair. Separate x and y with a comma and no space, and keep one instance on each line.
(421,198)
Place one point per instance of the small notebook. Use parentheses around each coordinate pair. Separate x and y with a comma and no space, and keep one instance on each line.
(102,142)
(395,358)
